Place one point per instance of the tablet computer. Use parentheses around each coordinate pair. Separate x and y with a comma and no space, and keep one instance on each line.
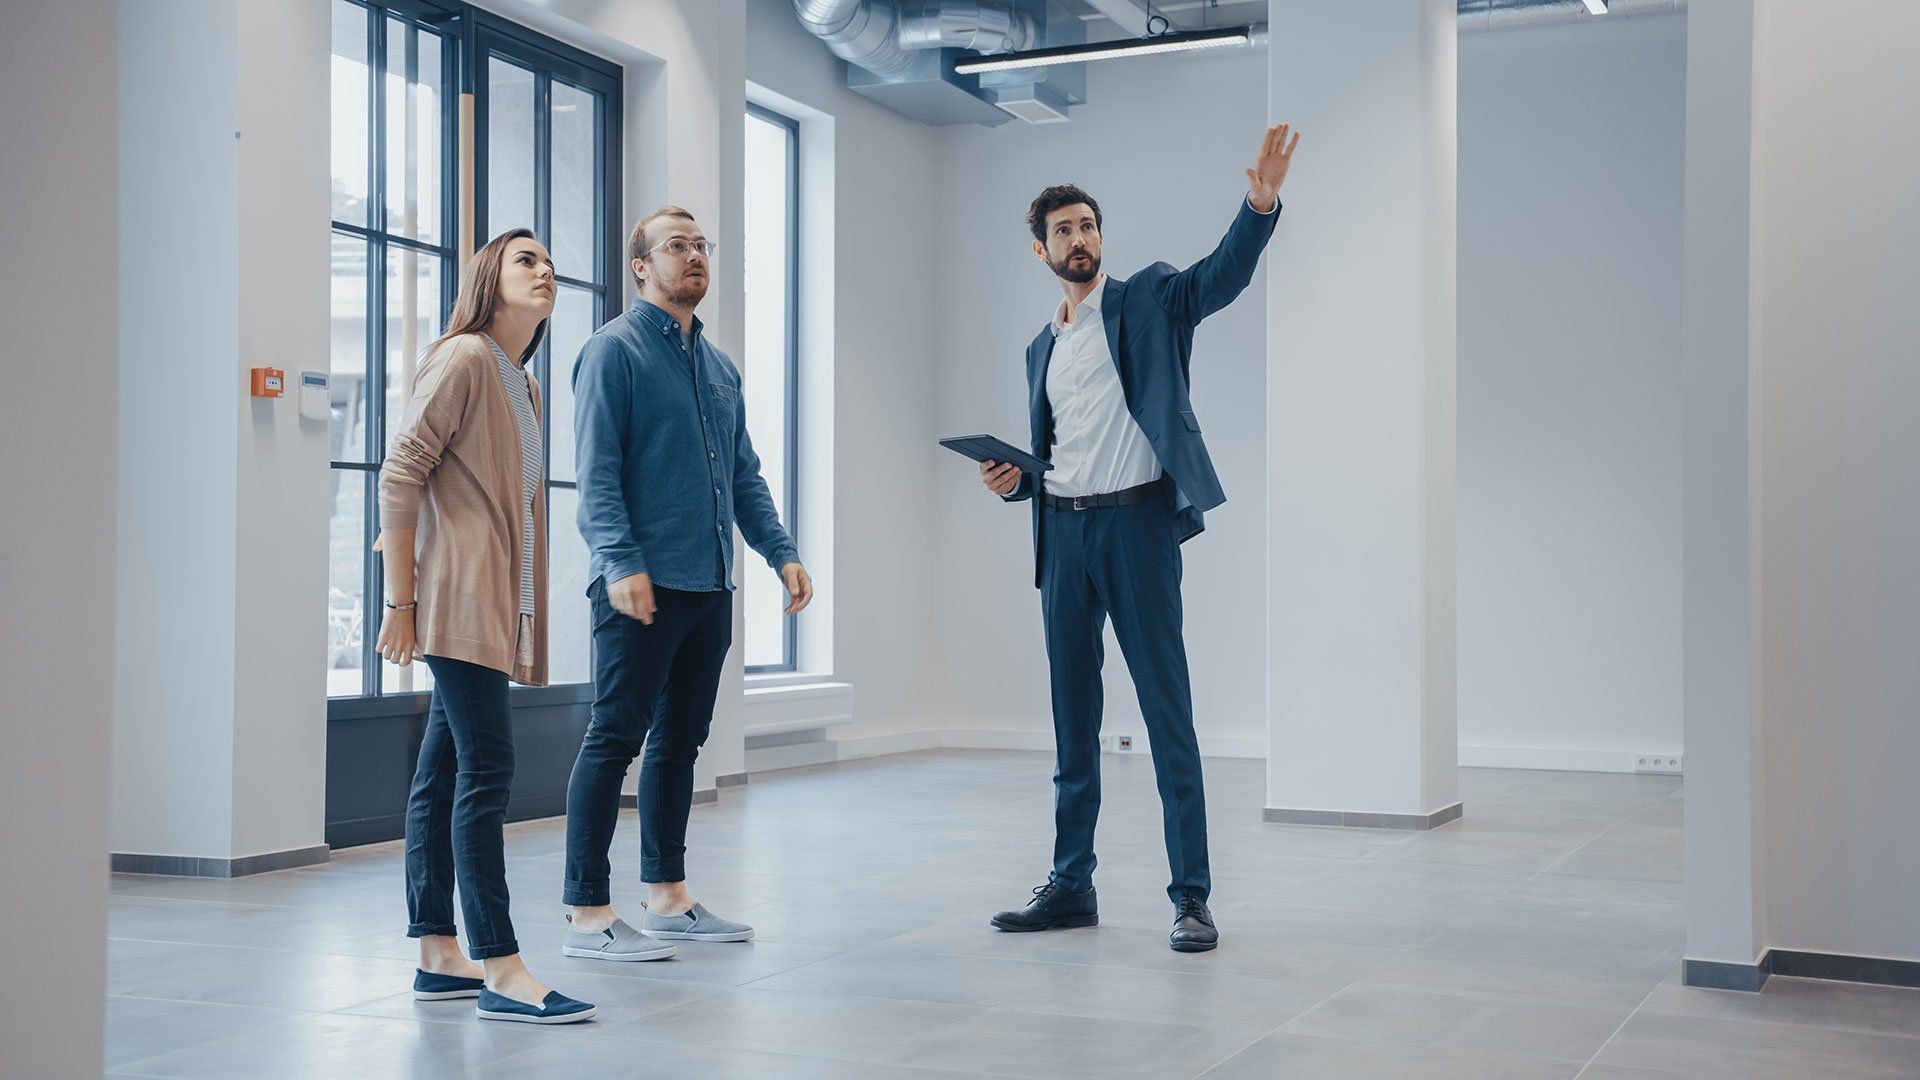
(989,448)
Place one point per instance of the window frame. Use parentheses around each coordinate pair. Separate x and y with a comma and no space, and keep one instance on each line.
(790,624)
(464,32)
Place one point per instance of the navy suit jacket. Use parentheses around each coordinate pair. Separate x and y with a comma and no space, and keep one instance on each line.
(1149,321)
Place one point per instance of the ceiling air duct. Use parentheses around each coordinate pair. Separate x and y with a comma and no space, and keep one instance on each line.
(901,54)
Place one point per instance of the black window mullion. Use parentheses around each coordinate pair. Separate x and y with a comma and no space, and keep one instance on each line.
(376,350)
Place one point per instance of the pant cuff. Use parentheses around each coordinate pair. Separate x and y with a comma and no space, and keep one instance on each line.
(493,952)
(1068,883)
(587,894)
(661,871)
(431,930)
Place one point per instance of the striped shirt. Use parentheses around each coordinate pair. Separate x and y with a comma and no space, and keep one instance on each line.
(520,396)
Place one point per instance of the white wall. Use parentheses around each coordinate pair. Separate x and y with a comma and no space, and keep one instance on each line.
(1572,143)
(1836,237)
(1167,187)
(56,561)
(890,587)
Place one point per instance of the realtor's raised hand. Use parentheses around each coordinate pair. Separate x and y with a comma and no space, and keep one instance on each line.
(1270,167)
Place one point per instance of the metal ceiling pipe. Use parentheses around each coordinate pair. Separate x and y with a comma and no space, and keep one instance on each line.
(883,36)
(983,27)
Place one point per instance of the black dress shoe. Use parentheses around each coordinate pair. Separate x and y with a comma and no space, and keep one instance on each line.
(1193,929)
(1054,907)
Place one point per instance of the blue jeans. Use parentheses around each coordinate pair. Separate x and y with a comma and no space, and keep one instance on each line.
(1121,561)
(457,807)
(654,686)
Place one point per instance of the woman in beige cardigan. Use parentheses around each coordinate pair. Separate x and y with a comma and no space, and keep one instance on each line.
(463,528)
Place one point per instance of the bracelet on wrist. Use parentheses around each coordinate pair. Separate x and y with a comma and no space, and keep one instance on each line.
(408,606)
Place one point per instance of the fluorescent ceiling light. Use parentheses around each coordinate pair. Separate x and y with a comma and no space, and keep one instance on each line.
(1108,50)
(1597,7)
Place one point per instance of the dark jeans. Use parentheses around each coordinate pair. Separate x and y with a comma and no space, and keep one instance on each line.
(1121,561)
(653,686)
(456,809)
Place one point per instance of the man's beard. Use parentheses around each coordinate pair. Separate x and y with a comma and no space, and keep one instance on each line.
(684,292)
(1079,275)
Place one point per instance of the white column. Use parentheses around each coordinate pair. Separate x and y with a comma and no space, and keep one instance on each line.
(1724,835)
(220,719)
(56,555)
(1360,417)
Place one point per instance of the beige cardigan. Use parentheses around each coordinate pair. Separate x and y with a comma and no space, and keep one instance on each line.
(453,473)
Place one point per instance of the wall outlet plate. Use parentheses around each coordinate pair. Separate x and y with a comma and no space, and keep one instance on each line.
(1657,763)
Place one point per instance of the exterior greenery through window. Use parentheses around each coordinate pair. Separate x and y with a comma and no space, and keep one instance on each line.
(546,155)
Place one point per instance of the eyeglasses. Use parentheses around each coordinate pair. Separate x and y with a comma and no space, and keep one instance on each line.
(680,247)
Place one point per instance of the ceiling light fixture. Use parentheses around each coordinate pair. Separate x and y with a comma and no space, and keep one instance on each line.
(1187,41)
(1596,7)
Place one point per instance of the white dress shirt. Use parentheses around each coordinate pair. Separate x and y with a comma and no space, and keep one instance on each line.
(1097,446)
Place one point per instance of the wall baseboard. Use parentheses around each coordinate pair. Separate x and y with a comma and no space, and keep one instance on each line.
(1798,964)
(631,801)
(1721,975)
(1843,967)
(1549,759)
(1360,819)
(195,866)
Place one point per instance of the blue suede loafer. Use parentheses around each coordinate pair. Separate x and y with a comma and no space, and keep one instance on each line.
(430,987)
(558,1008)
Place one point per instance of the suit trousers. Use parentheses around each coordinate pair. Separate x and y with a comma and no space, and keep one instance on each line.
(1123,562)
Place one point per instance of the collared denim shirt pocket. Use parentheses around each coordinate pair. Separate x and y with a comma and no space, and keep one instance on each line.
(725,413)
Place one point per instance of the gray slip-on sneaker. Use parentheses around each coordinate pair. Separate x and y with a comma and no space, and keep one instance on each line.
(618,942)
(698,924)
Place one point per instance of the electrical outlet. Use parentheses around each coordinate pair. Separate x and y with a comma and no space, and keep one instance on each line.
(1657,763)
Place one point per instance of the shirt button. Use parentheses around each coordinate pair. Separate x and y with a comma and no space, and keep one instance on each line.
(710,453)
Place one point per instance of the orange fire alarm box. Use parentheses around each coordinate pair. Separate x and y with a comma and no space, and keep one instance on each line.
(269,382)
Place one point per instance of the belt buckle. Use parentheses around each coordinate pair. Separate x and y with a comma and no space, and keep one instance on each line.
(1080,502)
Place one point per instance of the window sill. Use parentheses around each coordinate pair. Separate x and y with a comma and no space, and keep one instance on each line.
(777,704)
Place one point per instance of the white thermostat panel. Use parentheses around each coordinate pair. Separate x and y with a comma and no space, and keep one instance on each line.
(316,403)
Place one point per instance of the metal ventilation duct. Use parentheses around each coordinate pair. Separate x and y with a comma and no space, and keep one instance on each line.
(883,36)
(1511,14)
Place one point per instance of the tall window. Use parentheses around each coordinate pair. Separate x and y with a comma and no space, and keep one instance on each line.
(771,265)
(546,153)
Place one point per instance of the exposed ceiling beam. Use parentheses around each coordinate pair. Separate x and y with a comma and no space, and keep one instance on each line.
(1129,15)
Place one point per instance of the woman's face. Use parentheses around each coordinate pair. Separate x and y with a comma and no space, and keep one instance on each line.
(526,278)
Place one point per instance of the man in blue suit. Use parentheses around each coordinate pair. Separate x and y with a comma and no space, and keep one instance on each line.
(1107,384)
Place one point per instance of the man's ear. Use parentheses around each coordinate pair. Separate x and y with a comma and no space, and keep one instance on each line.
(1039,251)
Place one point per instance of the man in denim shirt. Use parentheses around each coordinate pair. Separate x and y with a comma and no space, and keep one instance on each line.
(665,470)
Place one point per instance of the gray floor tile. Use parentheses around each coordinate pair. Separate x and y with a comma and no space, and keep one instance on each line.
(1021,1043)
(589,1051)
(909,976)
(1879,1010)
(1709,1047)
(333,1046)
(1174,996)
(313,982)
(139,1028)
(1508,1023)
(805,1024)
(1306,1057)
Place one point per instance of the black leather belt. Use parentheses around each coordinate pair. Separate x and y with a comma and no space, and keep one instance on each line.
(1132,496)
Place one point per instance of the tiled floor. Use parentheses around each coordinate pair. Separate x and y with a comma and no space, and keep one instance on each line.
(1539,937)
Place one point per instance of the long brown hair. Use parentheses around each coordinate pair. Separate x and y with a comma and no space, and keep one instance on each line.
(479,295)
